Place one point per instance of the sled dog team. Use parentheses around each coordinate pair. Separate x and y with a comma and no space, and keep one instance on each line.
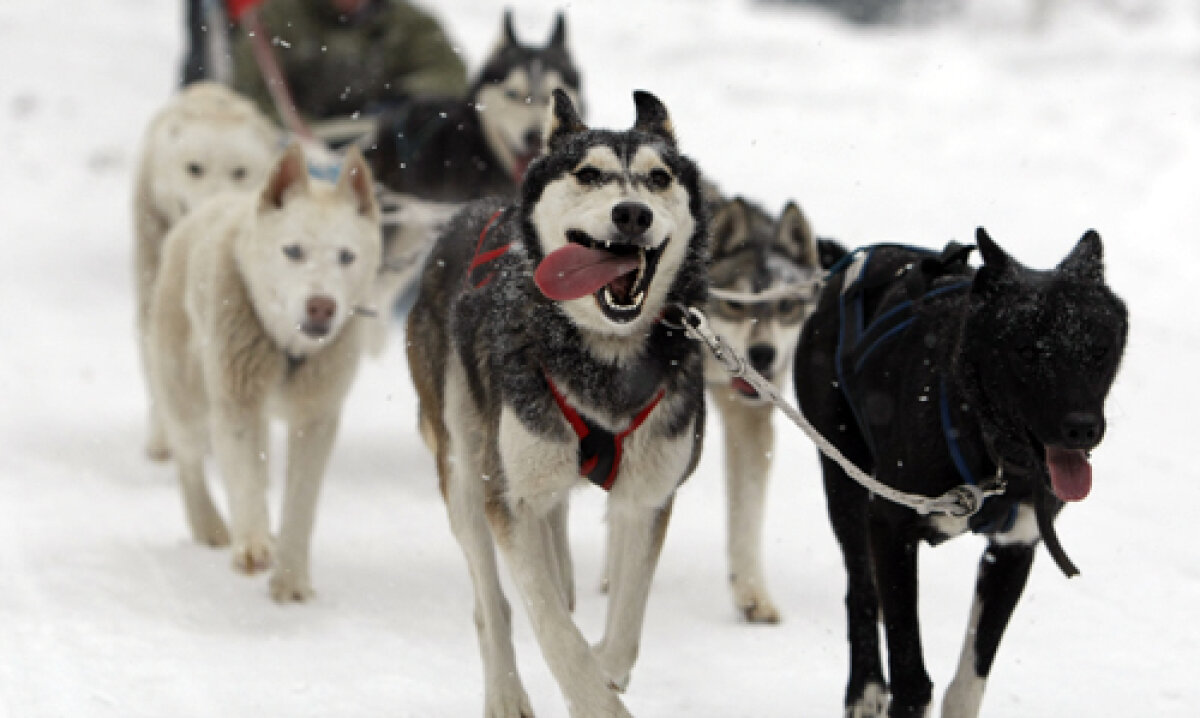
(546,351)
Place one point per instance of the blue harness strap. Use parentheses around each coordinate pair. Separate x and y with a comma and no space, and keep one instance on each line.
(858,341)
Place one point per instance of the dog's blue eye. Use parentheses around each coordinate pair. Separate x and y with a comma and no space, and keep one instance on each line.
(346,257)
(194,169)
(294,252)
(589,175)
(514,95)
(660,179)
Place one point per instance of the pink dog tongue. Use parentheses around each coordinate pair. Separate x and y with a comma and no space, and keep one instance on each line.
(576,271)
(1070,473)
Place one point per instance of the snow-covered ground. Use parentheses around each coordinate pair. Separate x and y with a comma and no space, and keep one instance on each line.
(916,135)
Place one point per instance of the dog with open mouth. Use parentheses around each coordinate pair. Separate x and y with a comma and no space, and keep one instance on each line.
(929,373)
(543,360)
(466,148)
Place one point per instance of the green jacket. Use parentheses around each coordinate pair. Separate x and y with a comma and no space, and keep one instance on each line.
(336,65)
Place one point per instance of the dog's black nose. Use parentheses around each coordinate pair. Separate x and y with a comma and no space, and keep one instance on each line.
(632,218)
(1082,429)
(762,356)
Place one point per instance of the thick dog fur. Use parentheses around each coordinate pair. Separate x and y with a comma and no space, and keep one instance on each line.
(507,458)
(207,140)
(753,253)
(253,317)
(460,149)
(1002,367)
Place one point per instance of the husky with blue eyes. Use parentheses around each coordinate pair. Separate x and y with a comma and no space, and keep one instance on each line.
(253,318)
(543,362)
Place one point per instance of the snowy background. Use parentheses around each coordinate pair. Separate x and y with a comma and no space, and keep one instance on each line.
(914,135)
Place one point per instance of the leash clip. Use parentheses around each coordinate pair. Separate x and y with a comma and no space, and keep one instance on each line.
(695,325)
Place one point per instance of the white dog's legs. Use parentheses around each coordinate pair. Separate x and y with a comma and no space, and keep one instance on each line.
(749,440)
(587,689)
(240,443)
(205,522)
(637,535)
(309,446)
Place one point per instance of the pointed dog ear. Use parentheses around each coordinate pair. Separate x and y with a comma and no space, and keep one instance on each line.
(508,37)
(288,177)
(558,36)
(996,264)
(796,236)
(730,227)
(563,121)
(1086,261)
(652,116)
(356,183)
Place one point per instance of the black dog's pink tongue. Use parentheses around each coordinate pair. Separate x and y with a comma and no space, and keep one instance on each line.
(577,271)
(1070,473)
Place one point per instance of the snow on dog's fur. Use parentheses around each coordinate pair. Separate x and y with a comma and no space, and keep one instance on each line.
(539,318)
(207,140)
(253,317)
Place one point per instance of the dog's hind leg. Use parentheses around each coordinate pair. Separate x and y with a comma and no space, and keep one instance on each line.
(639,533)
(1003,572)
(749,439)
(894,556)
(866,691)
(203,519)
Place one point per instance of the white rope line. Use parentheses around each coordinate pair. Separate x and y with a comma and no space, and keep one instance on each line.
(961,501)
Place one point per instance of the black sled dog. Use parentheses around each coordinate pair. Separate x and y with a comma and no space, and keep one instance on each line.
(461,149)
(928,374)
(540,358)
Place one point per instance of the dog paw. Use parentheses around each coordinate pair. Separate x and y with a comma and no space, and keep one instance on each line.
(157,450)
(210,531)
(873,703)
(616,668)
(508,701)
(289,587)
(252,555)
(755,605)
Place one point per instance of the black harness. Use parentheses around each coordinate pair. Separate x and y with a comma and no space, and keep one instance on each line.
(860,337)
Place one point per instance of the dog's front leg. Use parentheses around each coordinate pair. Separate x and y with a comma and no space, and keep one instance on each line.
(240,432)
(749,440)
(1003,572)
(637,534)
(521,535)
(895,560)
(309,445)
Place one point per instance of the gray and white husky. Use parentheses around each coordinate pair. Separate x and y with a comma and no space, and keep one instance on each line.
(541,358)
(764,275)
(465,148)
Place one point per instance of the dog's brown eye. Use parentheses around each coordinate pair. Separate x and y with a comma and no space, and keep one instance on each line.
(194,169)
(239,174)
(589,175)
(660,179)
(346,257)
(294,252)
(787,306)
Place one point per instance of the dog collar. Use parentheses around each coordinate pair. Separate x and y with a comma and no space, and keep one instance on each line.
(599,449)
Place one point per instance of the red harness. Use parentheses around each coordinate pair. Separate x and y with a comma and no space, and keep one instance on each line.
(599,449)
(484,257)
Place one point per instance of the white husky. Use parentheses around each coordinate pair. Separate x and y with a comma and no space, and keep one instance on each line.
(252,316)
(207,140)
